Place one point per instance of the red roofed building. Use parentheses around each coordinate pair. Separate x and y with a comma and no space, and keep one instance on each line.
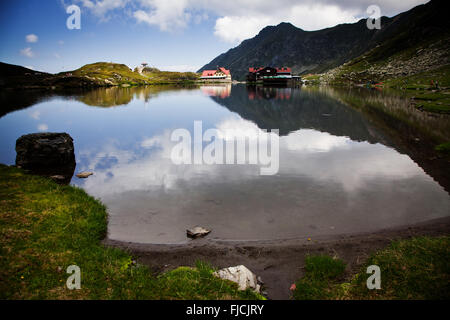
(284,70)
(220,74)
(253,70)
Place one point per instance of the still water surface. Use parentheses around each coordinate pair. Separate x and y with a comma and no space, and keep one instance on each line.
(339,172)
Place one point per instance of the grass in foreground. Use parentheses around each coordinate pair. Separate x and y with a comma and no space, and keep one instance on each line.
(45,227)
(410,269)
(321,273)
(443,148)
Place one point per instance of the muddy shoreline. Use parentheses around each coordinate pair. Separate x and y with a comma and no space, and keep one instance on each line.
(278,262)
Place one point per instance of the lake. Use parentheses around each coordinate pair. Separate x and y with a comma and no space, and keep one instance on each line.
(349,160)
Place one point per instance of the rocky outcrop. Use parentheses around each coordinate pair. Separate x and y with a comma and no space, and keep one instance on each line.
(48,154)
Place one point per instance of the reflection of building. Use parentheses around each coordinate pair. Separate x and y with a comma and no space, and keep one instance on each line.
(221,91)
(219,75)
(269,75)
(259,92)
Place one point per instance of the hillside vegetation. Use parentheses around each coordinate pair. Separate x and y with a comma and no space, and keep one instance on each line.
(169,76)
(120,74)
(108,73)
(99,74)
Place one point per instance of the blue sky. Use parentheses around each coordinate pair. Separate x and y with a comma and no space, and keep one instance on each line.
(168,34)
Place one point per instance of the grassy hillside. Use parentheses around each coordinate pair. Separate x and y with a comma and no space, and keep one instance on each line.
(45,227)
(99,74)
(109,73)
(120,74)
(157,75)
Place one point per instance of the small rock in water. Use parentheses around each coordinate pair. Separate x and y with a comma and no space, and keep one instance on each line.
(84,175)
(240,275)
(197,232)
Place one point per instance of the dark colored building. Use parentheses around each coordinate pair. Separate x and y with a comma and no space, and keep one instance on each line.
(269,74)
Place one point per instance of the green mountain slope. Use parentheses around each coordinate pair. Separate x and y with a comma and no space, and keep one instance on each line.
(108,73)
(99,74)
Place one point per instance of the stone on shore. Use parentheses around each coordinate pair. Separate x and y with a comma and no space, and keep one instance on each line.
(48,154)
(240,275)
(43,150)
(197,232)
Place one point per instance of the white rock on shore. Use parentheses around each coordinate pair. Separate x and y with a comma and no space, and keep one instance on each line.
(240,275)
(197,232)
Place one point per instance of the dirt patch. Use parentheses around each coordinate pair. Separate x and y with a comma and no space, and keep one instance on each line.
(279,263)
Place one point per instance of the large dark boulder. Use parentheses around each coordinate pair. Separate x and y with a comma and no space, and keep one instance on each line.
(48,154)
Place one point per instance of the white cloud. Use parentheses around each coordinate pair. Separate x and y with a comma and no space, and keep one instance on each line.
(308,17)
(57,56)
(35,114)
(101,7)
(27,52)
(237,20)
(350,164)
(200,17)
(151,142)
(237,129)
(308,140)
(167,15)
(43,127)
(237,28)
(32,38)
(30,67)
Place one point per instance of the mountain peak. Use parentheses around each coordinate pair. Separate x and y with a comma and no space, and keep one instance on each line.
(281,26)
(287,25)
